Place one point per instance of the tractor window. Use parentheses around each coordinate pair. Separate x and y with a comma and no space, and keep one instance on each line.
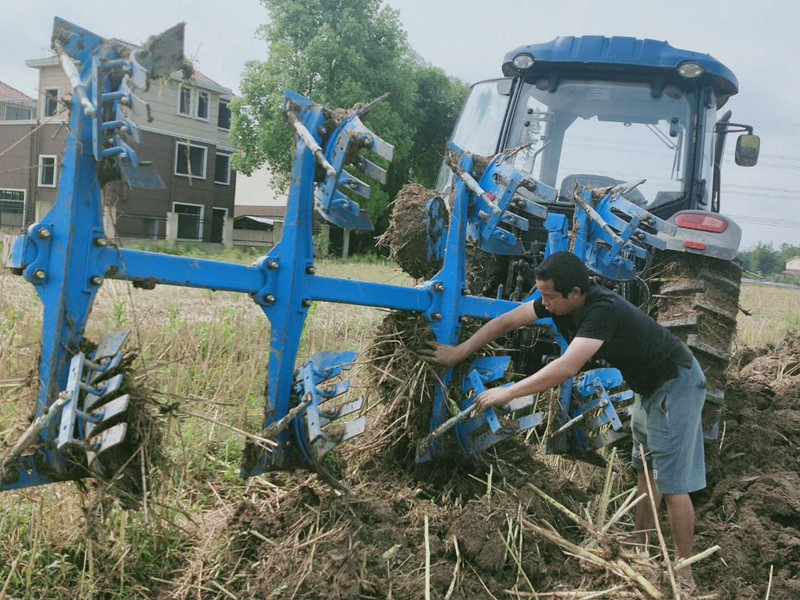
(707,166)
(601,133)
(479,126)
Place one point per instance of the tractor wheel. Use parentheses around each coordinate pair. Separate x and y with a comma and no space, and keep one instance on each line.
(697,298)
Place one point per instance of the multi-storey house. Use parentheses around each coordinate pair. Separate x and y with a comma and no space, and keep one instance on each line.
(186,141)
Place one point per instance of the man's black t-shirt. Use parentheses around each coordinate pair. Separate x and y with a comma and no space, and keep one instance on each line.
(646,353)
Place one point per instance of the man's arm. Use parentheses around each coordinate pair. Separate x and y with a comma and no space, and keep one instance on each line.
(557,372)
(451,355)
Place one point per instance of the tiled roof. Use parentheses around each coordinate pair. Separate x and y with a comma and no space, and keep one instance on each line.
(9,93)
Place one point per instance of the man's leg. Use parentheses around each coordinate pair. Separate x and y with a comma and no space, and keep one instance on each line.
(645,520)
(681,521)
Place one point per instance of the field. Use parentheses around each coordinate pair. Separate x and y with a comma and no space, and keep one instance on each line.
(205,533)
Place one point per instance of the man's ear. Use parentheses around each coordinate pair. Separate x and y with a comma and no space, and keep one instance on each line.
(576,291)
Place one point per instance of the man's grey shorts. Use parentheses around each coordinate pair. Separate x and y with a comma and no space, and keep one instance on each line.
(668,424)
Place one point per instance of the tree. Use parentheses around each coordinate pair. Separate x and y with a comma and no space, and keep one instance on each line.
(762,259)
(786,252)
(340,52)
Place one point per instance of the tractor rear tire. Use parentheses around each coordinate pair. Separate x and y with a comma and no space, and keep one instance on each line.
(697,298)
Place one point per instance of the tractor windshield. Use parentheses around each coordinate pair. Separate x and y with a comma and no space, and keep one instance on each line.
(587,133)
(600,133)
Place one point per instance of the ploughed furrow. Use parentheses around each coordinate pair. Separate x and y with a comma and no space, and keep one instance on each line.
(697,297)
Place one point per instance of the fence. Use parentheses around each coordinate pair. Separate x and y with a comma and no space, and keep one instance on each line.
(190,227)
(253,237)
(11,214)
(142,226)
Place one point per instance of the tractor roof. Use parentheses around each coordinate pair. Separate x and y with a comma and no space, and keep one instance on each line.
(596,51)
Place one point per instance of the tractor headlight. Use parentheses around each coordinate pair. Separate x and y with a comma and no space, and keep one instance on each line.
(523,61)
(690,69)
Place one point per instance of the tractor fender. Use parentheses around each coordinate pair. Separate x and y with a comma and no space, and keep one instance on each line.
(718,238)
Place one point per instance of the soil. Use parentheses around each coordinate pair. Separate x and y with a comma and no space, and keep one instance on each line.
(371,542)
(311,541)
(752,506)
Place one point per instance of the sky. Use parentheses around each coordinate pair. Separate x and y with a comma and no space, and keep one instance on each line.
(758,41)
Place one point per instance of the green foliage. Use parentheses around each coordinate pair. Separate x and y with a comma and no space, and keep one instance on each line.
(339,53)
(766,261)
(118,313)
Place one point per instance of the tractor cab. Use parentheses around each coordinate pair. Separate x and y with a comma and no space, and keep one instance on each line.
(601,111)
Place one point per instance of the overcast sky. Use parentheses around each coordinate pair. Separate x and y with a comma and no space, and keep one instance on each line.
(758,41)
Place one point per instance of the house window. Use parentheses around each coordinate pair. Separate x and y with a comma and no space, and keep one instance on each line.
(222,169)
(47,170)
(190,220)
(188,155)
(17,113)
(12,208)
(203,101)
(224,116)
(50,102)
(185,101)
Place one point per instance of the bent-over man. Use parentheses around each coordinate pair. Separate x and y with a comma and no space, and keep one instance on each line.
(668,381)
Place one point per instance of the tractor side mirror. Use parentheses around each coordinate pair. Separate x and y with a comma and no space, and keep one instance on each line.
(747,147)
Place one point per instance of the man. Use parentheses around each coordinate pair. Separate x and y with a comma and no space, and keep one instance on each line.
(669,382)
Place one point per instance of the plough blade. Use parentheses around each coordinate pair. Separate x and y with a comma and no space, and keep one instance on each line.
(166,51)
(495,425)
(143,176)
(331,362)
(486,368)
(90,408)
(342,149)
(107,415)
(102,443)
(485,429)
(599,412)
(319,428)
(372,170)
(345,213)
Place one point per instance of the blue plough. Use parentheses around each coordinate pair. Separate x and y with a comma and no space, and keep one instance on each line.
(66,256)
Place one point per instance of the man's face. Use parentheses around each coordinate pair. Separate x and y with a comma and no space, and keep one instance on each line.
(555,302)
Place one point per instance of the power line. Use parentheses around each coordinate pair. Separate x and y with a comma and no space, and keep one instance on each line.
(765,221)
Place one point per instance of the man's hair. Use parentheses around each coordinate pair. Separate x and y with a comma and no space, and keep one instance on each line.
(566,271)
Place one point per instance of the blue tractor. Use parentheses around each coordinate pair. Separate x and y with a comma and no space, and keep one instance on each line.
(601,113)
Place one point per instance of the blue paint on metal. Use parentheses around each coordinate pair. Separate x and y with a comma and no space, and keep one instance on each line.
(435,228)
(598,51)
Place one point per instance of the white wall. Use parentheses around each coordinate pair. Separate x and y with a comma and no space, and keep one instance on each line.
(257,190)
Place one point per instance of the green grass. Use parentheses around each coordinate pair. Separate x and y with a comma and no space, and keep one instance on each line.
(208,350)
(772,312)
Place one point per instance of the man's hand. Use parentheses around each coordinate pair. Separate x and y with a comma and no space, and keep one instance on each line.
(442,354)
(494,397)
